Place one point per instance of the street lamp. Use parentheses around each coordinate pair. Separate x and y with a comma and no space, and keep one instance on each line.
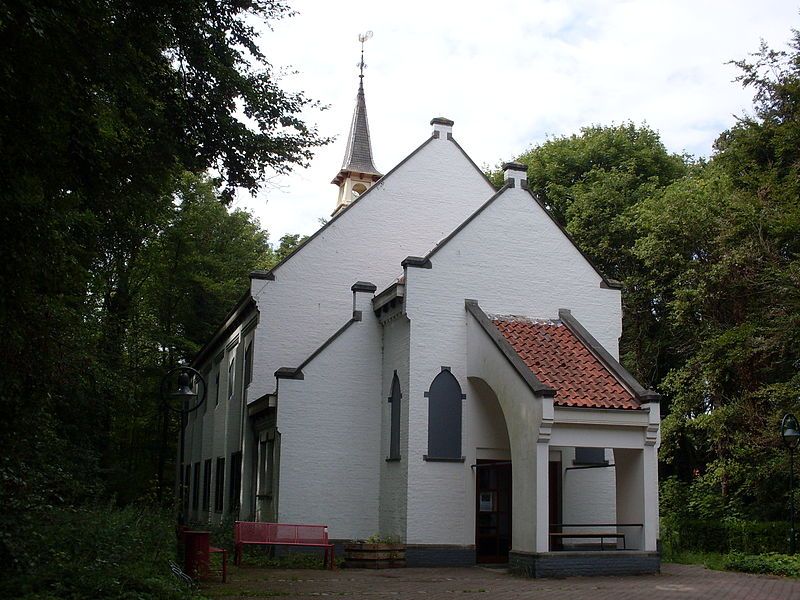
(790,434)
(183,400)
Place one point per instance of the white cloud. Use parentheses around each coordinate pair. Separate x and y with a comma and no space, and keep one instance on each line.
(509,73)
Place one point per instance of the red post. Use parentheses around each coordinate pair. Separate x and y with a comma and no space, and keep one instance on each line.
(196,551)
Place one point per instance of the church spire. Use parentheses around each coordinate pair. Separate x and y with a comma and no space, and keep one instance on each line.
(358,172)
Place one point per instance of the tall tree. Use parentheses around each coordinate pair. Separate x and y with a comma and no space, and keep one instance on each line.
(592,183)
(105,105)
(721,253)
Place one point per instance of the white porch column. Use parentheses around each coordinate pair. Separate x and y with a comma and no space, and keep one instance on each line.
(651,515)
(637,494)
(524,496)
(542,496)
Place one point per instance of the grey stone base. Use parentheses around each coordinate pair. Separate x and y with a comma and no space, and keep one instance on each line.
(567,564)
(440,556)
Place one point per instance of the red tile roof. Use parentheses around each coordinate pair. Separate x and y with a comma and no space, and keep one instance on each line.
(560,360)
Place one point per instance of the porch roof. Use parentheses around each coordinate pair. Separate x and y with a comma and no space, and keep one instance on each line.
(562,361)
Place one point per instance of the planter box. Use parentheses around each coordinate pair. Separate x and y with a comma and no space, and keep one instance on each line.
(363,555)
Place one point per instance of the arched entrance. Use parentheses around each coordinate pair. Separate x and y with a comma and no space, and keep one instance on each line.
(493,482)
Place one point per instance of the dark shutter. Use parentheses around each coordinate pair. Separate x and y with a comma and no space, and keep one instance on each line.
(394,439)
(219,485)
(590,456)
(444,417)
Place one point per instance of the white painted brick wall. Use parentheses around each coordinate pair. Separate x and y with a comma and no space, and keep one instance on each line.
(589,495)
(393,492)
(513,260)
(405,213)
(330,436)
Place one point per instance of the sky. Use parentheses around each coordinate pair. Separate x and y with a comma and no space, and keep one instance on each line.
(510,73)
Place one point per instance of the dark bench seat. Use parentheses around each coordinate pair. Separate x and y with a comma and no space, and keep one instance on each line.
(560,537)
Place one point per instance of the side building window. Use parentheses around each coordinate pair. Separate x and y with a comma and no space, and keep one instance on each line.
(187,484)
(207,484)
(231,377)
(444,418)
(219,485)
(216,385)
(394,437)
(248,364)
(235,481)
(196,488)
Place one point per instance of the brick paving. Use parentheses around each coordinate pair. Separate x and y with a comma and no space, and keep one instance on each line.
(676,582)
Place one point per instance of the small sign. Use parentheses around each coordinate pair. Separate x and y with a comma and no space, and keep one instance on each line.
(486,503)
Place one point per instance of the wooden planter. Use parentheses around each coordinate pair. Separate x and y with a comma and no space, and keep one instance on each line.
(364,555)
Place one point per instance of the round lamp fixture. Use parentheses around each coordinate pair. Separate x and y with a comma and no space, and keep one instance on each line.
(790,431)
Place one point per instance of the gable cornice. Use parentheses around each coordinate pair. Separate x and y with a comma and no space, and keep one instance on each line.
(243,308)
(605,282)
(464,223)
(297,372)
(270,274)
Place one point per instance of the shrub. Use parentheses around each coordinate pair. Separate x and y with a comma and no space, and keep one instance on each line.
(771,564)
(732,535)
(99,552)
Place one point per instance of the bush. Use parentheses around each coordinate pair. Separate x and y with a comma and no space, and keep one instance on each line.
(99,552)
(732,535)
(770,564)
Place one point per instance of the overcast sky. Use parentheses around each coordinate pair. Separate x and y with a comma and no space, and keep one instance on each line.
(510,74)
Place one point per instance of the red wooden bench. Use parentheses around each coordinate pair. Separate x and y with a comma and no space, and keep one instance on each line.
(281,534)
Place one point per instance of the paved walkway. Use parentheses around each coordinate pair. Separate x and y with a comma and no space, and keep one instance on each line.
(676,582)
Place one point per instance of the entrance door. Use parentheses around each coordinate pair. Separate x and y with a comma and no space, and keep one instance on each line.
(493,511)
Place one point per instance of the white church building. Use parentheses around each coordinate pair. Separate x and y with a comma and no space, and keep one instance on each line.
(437,364)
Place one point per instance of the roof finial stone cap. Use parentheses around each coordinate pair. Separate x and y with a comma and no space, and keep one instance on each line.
(516,173)
(442,127)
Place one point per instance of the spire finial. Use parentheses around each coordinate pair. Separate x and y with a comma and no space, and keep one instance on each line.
(363,37)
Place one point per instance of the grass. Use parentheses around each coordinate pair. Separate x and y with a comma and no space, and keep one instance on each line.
(710,560)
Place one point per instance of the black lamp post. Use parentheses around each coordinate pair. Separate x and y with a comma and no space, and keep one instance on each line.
(790,433)
(183,400)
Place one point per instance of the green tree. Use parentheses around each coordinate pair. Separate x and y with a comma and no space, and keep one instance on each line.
(106,105)
(592,184)
(720,252)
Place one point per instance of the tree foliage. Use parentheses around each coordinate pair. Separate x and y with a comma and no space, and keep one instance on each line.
(119,254)
(708,255)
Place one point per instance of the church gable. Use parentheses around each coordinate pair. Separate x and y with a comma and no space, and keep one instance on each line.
(541,225)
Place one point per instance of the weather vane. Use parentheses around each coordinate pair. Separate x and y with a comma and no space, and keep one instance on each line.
(363,37)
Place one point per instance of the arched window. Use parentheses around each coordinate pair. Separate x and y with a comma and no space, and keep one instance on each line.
(444,418)
(358,189)
(394,400)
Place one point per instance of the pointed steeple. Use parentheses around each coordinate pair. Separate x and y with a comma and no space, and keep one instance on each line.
(358,171)
(358,155)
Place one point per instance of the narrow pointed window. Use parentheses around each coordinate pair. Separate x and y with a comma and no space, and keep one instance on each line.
(394,438)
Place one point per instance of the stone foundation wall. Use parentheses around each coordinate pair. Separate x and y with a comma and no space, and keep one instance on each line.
(569,564)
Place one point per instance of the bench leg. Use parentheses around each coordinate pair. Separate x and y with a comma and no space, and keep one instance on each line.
(224,566)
